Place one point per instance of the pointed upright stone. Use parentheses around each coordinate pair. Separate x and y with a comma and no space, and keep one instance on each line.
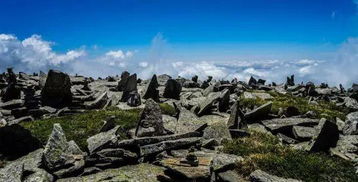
(236,117)
(151,90)
(123,81)
(151,122)
(57,90)
(172,89)
(130,86)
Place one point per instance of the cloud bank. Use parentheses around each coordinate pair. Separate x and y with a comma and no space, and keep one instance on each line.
(33,54)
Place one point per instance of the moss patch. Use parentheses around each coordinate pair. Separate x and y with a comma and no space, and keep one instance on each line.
(323,109)
(264,151)
(79,127)
(167,109)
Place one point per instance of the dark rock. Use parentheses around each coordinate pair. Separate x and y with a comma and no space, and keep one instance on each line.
(111,157)
(151,122)
(224,100)
(326,137)
(129,87)
(172,89)
(261,82)
(123,82)
(57,90)
(292,111)
(259,113)
(100,102)
(190,84)
(16,141)
(236,117)
(285,139)
(195,78)
(252,81)
(151,90)
(12,104)
(239,133)
(290,80)
(134,99)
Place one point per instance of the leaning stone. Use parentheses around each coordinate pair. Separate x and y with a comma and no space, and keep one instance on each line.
(236,117)
(97,141)
(285,124)
(130,86)
(261,176)
(326,137)
(259,113)
(122,83)
(150,122)
(188,121)
(224,100)
(99,103)
(206,105)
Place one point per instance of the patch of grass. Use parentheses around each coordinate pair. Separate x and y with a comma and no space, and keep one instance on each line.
(167,109)
(323,109)
(79,127)
(264,151)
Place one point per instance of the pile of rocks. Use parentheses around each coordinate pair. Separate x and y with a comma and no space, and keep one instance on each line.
(185,146)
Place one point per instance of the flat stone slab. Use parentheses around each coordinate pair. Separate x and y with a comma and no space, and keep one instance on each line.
(141,173)
(278,124)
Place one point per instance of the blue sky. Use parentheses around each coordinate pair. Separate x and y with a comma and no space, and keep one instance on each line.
(189,30)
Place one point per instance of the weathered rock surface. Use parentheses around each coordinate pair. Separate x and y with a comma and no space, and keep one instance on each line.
(151,122)
(284,124)
(261,176)
(172,89)
(57,90)
(258,113)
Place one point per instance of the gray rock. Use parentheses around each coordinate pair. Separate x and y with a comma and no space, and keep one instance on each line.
(230,176)
(223,162)
(351,125)
(97,142)
(351,103)
(12,104)
(156,148)
(326,137)
(162,79)
(285,139)
(111,157)
(259,113)
(151,90)
(236,117)
(172,89)
(217,131)
(57,90)
(140,173)
(99,103)
(207,104)
(61,157)
(303,133)
(347,147)
(224,100)
(151,122)
(261,176)
(285,124)
(188,121)
(122,83)
(26,169)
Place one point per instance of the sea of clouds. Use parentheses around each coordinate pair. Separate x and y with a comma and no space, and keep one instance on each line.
(34,53)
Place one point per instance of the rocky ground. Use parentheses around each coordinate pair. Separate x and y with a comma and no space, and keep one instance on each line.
(56,127)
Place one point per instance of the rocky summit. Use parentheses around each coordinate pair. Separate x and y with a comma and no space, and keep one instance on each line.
(58,127)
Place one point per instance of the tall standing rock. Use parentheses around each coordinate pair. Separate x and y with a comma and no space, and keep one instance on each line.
(129,87)
(57,90)
(151,90)
(172,89)
(151,122)
(290,80)
(326,137)
(236,117)
(122,83)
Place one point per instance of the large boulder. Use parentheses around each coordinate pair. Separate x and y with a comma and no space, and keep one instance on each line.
(16,141)
(129,87)
(26,169)
(122,83)
(326,137)
(151,90)
(57,90)
(351,125)
(151,122)
(172,89)
(99,140)
(207,104)
(62,158)
(259,113)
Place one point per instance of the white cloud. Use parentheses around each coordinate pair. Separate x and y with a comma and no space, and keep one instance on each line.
(33,54)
